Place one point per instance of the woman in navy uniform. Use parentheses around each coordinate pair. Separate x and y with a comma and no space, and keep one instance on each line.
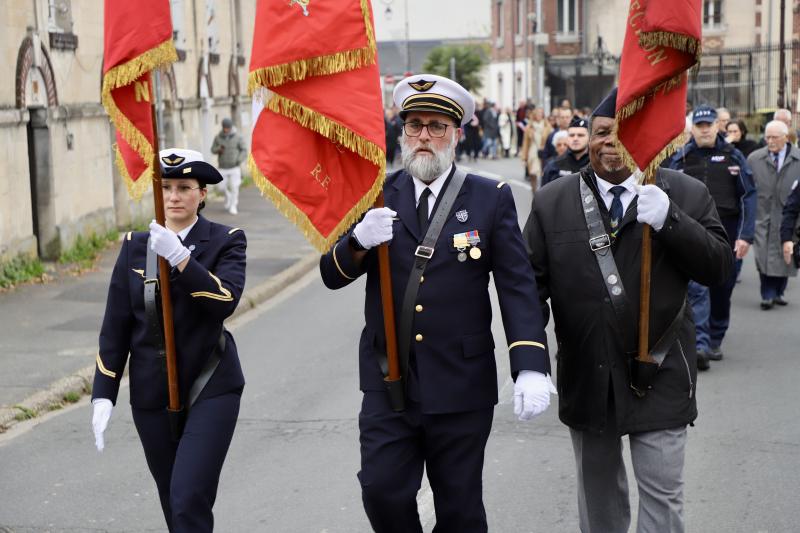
(207,279)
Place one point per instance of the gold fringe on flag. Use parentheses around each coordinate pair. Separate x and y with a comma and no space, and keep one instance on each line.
(120,76)
(631,108)
(310,119)
(344,61)
(288,209)
(677,41)
(649,172)
(136,188)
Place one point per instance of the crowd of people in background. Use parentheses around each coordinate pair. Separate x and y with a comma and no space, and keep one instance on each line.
(752,179)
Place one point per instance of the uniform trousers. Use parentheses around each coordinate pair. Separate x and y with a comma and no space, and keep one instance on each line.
(394,449)
(711,306)
(187,472)
(772,286)
(229,186)
(657,458)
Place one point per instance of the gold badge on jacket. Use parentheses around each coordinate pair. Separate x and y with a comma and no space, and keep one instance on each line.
(302,3)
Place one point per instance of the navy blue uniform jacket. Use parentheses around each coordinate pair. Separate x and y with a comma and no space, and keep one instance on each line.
(203,295)
(455,357)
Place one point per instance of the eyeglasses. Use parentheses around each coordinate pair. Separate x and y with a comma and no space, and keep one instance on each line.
(181,190)
(435,129)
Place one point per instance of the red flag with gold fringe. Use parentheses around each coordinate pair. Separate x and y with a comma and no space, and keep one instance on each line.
(138,39)
(318,147)
(662,41)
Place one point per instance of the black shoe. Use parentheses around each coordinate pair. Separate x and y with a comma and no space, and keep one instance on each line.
(715,354)
(767,304)
(702,360)
(779,301)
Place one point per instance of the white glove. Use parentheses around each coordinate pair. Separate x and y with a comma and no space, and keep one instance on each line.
(375,228)
(653,206)
(100,418)
(166,243)
(532,394)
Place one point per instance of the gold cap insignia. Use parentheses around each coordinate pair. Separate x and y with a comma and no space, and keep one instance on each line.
(422,85)
(173,160)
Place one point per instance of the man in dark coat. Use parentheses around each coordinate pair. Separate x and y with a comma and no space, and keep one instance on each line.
(724,170)
(577,155)
(595,348)
(451,373)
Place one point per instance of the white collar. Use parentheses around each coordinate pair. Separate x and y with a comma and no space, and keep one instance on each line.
(435,186)
(185,231)
(605,186)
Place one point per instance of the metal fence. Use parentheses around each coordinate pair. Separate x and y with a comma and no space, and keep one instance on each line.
(746,80)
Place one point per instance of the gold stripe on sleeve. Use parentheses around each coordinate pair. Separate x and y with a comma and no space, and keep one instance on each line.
(336,261)
(103,370)
(223,296)
(526,343)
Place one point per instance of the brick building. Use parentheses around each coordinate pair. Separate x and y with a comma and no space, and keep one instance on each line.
(554,49)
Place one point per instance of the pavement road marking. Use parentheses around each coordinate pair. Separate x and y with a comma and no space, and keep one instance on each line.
(497,177)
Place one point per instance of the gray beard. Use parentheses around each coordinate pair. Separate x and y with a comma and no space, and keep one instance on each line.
(425,168)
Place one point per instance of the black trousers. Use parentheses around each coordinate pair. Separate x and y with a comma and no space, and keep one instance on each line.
(187,472)
(394,449)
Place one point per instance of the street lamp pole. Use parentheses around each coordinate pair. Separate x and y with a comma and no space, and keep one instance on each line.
(408,46)
(782,66)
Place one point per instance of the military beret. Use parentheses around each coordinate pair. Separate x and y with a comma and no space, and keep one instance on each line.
(608,107)
(182,163)
(578,122)
(428,92)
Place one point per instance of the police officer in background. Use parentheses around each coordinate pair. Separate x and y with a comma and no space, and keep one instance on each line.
(577,155)
(451,371)
(207,279)
(711,159)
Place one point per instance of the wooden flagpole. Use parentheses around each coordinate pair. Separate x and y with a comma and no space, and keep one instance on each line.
(394,382)
(174,407)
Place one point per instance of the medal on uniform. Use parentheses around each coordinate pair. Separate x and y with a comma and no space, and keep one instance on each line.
(473,238)
(461,243)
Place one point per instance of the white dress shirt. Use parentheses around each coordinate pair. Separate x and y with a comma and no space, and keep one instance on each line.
(626,197)
(435,186)
(781,157)
(185,231)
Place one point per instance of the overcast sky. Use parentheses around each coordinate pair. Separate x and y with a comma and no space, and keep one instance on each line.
(432,19)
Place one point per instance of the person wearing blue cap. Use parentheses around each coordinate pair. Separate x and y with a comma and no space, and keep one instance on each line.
(448,232)
(708,157)
(206,282)
(584,237)
(577,155)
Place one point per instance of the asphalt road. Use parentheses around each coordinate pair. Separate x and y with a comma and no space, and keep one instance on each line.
(293,460)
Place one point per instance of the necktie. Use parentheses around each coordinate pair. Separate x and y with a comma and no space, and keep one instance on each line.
(616,206)
(422,211)
(776,157)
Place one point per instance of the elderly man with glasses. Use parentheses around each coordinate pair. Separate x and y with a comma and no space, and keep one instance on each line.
(447,232)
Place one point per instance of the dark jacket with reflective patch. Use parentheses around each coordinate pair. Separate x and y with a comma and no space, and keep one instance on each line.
(203,295)
(592,358)
(455,361)
(563,165)
(729,179)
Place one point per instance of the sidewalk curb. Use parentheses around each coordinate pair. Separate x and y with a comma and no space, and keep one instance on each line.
(55,396)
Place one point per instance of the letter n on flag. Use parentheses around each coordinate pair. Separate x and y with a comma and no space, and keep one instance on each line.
(137,39)
(318,149)
(662,41)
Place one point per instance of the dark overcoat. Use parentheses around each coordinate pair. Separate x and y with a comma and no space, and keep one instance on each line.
(592,359)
